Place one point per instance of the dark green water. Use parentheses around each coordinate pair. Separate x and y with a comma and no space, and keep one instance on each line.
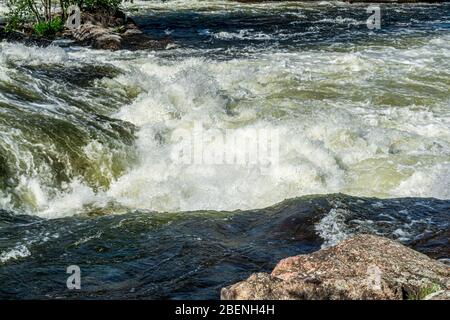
(191,255)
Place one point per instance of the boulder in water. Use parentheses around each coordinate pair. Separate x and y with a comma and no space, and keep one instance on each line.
(362,267)
(107,30)
(100,28)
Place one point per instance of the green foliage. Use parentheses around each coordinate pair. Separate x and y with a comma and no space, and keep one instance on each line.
(49,28)
(19,13)
(56,24)
(423,292)
(44,15)
(14,22)
(99,4)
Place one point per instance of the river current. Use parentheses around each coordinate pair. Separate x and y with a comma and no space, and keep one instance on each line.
(87,170)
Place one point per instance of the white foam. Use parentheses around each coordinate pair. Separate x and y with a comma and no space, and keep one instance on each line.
(3,9)
(22,55)
(245,34)
(17,252)
(342,20)
(335,137)
(331,228)
(429,181)
(315,157)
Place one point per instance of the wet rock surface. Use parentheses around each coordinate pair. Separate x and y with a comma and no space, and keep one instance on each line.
(112,31)
(14,36)
(100,29)
(362,267)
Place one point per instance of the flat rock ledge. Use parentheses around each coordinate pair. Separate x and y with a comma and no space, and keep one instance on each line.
(361,267)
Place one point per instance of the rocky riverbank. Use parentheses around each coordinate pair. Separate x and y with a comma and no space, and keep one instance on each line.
(362,267)
(100,29)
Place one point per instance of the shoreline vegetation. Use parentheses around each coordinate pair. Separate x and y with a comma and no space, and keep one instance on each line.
(103,24)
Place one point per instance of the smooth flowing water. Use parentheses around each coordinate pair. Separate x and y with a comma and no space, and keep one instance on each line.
(87,175)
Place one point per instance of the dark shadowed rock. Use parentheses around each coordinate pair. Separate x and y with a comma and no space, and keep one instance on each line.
(14,36)
(108,42)
(362,267)
(435,245)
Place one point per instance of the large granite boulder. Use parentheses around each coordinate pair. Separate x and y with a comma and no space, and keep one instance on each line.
(362,267)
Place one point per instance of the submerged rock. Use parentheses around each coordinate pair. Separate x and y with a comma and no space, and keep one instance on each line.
(362,267)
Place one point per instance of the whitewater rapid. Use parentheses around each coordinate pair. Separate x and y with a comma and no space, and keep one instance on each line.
(369,119)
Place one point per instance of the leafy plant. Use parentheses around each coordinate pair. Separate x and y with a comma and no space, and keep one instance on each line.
(422,292)
(56,24)
(49,28)
(47,16)
(100,4)
(19,13)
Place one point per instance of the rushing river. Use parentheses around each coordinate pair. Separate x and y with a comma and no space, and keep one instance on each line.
(87,175)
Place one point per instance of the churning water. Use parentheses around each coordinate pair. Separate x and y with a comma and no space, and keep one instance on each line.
(86,135)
